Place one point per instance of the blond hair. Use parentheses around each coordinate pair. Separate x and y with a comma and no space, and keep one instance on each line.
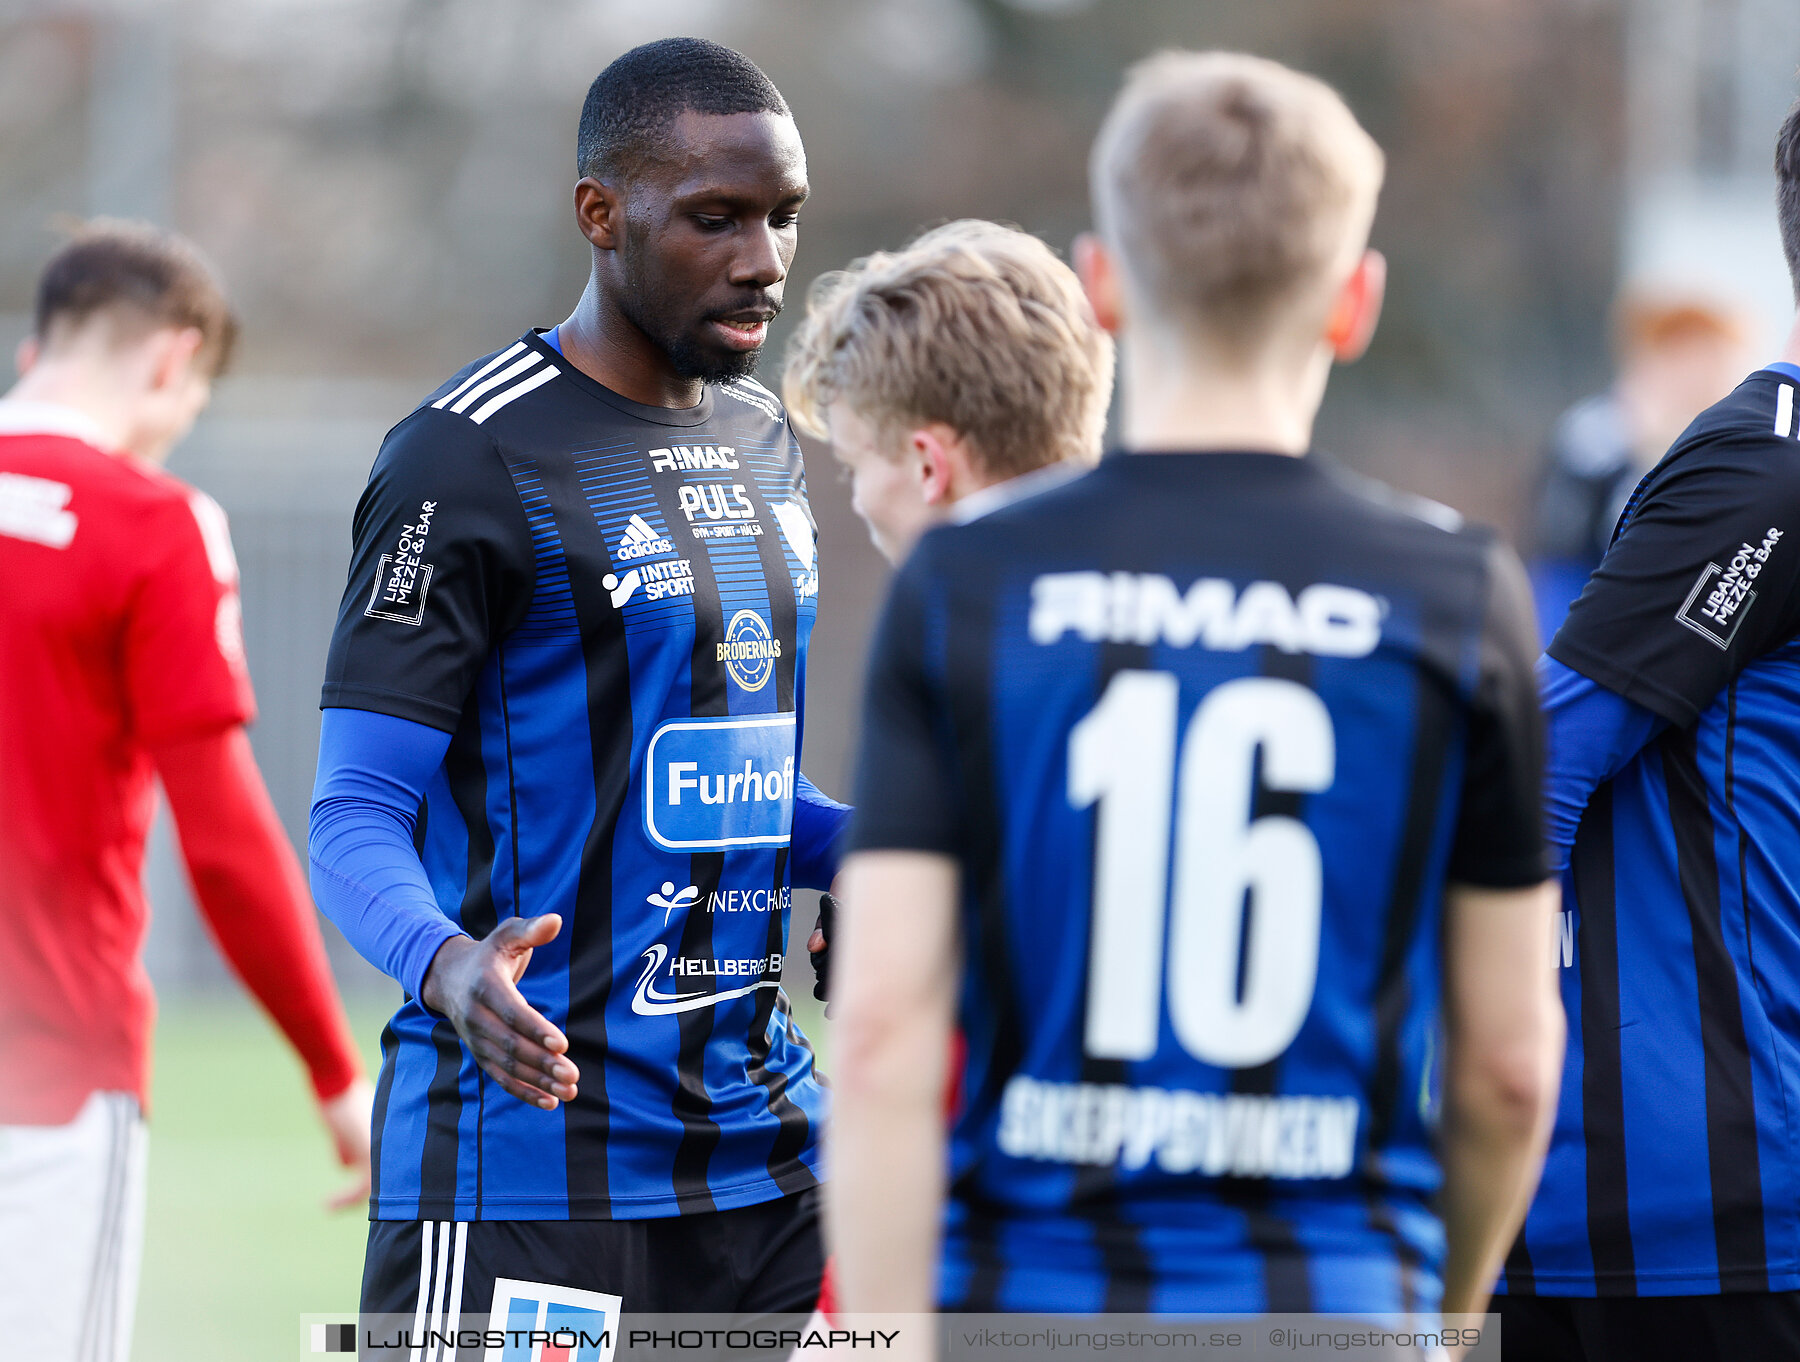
(1230,188)
(974,324)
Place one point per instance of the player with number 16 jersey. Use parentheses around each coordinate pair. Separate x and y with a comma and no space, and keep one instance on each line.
(1220,770)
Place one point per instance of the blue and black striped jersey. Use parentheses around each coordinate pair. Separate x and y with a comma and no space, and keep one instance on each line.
(608,606)
(1675,1164)
(1207,735)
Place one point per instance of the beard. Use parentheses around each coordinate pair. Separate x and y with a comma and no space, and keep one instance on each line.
(659,318)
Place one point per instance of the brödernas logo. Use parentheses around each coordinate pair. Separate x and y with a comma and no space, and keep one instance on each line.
(749,651)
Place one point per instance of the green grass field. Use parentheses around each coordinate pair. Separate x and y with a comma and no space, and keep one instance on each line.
(238,1244)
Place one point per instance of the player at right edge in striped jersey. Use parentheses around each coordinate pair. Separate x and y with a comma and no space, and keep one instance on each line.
(1668,1224)
(1203,792)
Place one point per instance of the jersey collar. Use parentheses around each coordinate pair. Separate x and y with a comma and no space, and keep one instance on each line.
(661,416)
(18,417)
(989,499)
(1786,370)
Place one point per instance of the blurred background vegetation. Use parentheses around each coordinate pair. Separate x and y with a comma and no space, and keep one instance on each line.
(385,185)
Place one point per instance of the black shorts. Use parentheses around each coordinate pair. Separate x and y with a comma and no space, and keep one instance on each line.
(752,1262)
(1737,1327)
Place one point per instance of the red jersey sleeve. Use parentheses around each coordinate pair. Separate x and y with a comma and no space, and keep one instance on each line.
(183,649)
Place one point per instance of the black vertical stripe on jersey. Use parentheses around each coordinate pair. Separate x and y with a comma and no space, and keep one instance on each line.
(1521,1279)
(468,779)
(1602,1065)
(1287,1285)
(792,1128)
(384,1090)
(1733,1155)
(1124,1262)
(709,696)
(969,681)
(587,1121)
(1435,730)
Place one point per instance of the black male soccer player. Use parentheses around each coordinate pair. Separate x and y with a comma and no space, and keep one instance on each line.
(1668,1225)
(559,795)
(1220,774)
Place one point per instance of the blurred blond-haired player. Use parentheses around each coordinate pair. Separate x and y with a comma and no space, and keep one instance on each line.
(121,662)
(951,377)
(1202,793)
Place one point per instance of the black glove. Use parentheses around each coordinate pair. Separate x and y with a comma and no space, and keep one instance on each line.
(821,960)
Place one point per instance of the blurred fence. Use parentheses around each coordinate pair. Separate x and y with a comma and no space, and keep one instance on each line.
(289,483)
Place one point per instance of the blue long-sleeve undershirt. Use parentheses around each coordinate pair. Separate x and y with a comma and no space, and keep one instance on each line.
(1593,733)
(366,873)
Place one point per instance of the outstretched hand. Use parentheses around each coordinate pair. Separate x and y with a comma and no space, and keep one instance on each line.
(475,985)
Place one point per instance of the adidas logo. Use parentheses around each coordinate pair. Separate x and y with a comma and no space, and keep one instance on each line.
(640,540)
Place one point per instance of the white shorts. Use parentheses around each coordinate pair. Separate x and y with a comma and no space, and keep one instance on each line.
(71,1233)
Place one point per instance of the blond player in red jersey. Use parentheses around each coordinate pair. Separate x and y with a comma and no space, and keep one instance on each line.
(122,661)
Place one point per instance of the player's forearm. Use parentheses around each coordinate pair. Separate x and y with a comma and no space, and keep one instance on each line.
(886,1194)
(1495,1131)
(249,888)
(1502,1068)
(899,961)
(1492,1159)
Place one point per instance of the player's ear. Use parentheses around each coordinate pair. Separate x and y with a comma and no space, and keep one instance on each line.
(600,213)
(1100,281)
(25,358)
(1357,308)
(172,355)
(934,464)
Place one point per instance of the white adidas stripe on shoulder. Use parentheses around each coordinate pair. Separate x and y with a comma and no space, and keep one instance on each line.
(753,394)
(512,394)
(505,376)
(476,377)
(1784,411)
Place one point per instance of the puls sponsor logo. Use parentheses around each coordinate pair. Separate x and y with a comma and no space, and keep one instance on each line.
(1723,595)
(710,784)
(722,510)
(403,577)
(1144,608)
(686,458)
(749,651)
(651,1001)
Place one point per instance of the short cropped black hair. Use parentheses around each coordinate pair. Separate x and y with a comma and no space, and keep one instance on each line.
(1787,192)
(632,102)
